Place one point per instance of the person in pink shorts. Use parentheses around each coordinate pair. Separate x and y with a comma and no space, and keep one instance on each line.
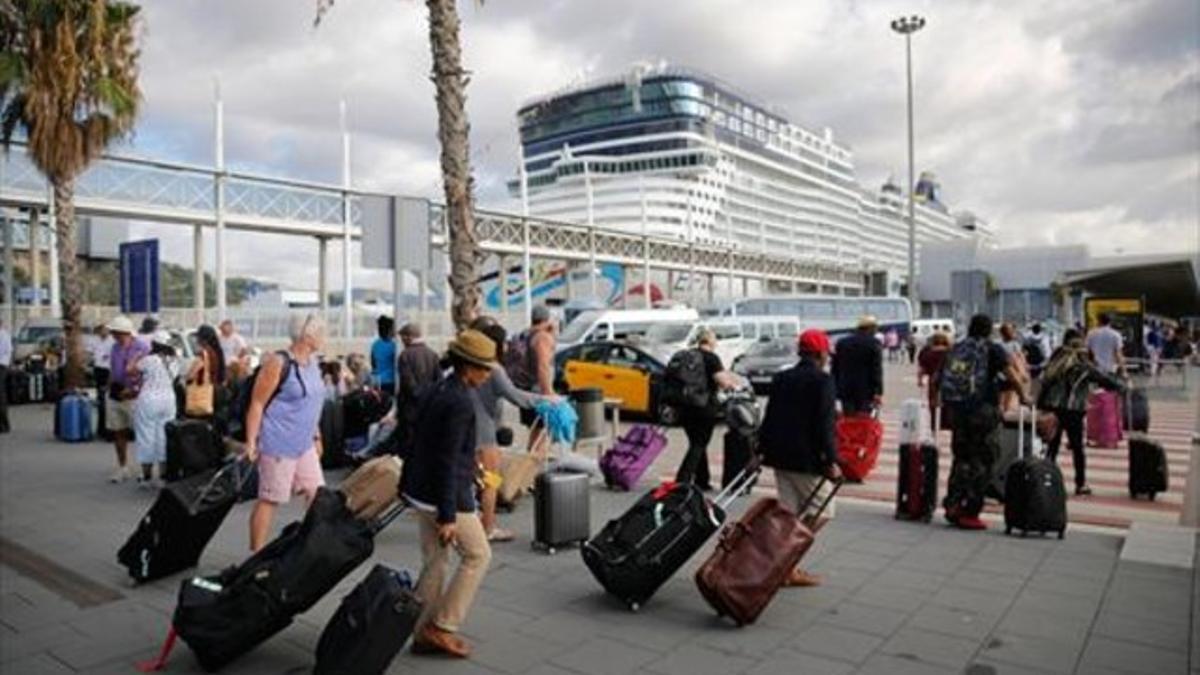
(283,425)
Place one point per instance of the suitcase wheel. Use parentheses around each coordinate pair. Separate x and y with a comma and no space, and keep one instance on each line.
(1153,495)
(633,606)
(928,518)
(1062,533)
(1008,529)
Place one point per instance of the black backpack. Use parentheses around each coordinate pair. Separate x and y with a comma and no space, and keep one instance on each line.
(236,415)
(1034,354)
(687,379)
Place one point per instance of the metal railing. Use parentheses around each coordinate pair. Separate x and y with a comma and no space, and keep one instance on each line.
(1155,373)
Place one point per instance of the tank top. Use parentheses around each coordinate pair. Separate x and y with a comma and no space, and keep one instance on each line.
(290,422)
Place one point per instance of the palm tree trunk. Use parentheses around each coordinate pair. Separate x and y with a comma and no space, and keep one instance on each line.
(450,82)
(72,284)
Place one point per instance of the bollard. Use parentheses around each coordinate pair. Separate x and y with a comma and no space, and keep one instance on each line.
(589,405)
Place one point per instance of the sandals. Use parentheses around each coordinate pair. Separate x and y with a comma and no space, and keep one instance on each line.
(499,535)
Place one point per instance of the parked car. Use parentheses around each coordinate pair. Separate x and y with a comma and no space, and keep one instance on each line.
(36,336)
(622,371)
(763,359)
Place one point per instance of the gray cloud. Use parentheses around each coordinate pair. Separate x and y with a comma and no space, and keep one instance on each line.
(1070,121)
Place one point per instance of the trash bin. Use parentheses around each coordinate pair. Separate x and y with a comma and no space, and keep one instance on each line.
(589,406)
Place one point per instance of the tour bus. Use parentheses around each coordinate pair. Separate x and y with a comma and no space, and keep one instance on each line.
(621,324)
(923,328)
(835,314)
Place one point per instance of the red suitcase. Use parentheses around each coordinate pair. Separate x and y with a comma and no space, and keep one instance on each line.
(755,555)
(859,438)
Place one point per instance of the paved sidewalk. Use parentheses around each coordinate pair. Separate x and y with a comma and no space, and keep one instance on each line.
(899,598)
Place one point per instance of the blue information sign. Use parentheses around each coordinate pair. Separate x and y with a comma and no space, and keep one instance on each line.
(139,277)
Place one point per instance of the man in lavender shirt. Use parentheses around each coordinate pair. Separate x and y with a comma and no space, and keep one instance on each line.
(122,390)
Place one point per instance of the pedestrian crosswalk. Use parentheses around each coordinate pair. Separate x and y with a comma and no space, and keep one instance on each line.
(1172,423)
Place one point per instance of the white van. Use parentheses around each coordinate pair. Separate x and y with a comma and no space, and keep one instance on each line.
(734,336)
(621,324)
(923,328)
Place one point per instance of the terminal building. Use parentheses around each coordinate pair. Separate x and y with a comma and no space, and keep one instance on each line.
(669,152)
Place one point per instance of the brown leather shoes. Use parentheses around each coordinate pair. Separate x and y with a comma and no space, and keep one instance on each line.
(801,579)
(434,640)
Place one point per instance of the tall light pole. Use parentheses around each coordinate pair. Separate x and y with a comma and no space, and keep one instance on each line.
(906,26)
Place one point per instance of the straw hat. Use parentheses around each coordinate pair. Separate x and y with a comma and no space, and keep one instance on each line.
(867,321)
(474,347)
(120,324)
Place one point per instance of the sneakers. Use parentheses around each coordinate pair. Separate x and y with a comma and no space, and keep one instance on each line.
(1083,491)
(499,535)
(119,475)
(433,640)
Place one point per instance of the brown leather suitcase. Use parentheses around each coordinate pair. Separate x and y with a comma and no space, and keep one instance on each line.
(755,555)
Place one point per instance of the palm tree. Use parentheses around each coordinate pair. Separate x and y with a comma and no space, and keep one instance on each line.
(68,80)
(450,83)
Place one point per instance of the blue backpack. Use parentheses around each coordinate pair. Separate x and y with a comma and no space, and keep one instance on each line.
(964,377)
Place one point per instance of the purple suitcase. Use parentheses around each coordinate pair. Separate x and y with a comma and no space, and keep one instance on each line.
(633,453)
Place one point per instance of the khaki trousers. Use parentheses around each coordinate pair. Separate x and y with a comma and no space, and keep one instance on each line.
(794,489)
(447,606)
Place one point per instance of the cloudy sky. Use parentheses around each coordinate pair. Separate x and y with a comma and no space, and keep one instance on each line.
(1064,122)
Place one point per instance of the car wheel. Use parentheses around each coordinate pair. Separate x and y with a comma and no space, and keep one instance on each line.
(667,415)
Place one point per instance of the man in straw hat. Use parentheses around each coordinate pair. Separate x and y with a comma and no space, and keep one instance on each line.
(439,482)
(127,349)
(858,368)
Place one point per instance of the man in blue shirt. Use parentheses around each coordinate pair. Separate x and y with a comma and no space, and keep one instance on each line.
(383,355)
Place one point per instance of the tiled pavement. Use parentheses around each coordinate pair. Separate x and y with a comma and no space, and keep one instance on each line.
(899,598)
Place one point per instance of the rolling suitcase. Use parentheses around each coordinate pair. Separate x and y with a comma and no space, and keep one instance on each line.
(224,616)
(917,478)
(561,509)
(1104,419)
(639,551)
(37,387)
(1148,468)
(625,463)
(859,437)
(754,557)
(1036,497)
(333,436)
(361,409)
(1137,411)
(73,418)
(193,446)
(373,487)
(183,519)
(370,626)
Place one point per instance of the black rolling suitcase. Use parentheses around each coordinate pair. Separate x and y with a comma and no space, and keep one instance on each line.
(562,509)
(1035,495)
(183,519)
(371,625)
(1148,468)
(917,480)
(18,387)
(638,552)
(224,616)
(193,446)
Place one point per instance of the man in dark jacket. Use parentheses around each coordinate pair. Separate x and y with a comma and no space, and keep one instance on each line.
(796,437)
(418,368)
(439,482)
(858,368)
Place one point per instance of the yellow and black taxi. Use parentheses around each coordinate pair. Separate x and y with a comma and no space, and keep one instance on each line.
(622,372)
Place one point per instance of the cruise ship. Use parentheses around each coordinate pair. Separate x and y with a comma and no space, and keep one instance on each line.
(670,152)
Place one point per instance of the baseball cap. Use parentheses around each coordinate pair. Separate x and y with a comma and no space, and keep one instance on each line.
(814,341)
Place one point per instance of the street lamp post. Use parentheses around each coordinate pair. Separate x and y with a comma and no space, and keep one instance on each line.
(906,26)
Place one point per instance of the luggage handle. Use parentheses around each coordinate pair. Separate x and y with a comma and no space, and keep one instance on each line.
(812,497)
(729,494)
(388,516)
(240,479)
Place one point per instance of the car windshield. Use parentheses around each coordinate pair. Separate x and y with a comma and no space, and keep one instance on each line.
(34,334)
(666,333)
(770,349)
(575,330)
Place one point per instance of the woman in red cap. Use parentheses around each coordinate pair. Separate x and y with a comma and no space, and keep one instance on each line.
(797,438)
